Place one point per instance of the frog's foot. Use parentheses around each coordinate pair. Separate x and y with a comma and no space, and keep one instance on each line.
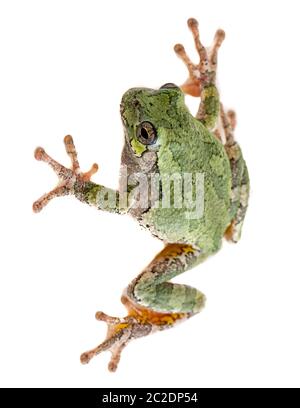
(203,73)
(119,333)
(139,322)
(228,122)
(67,177)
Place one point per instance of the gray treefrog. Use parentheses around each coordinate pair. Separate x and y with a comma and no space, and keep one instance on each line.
(163,140)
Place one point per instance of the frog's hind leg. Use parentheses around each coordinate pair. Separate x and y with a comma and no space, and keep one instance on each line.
(202,76)
(153,303)
(240,178)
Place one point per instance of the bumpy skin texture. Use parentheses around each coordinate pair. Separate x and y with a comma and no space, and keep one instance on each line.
(184,145)
(163,138)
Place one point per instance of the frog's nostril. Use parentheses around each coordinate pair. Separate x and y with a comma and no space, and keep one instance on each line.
(169,85)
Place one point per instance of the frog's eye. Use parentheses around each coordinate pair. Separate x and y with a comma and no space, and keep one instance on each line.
(169,85)
(146,133)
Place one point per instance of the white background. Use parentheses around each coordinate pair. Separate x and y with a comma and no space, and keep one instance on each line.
(64,67)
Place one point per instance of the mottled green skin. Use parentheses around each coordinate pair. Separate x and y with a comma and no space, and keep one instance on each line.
(184,145)
(240,188)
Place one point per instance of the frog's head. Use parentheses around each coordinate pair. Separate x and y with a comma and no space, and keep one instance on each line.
(149,116)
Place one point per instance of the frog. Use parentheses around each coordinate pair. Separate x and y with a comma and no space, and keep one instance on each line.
(163,138)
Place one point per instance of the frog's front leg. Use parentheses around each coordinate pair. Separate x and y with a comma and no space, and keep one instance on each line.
(74,181)
(202,76)
(153,303)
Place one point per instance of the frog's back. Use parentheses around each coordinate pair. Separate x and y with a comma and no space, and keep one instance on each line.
(193,152)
